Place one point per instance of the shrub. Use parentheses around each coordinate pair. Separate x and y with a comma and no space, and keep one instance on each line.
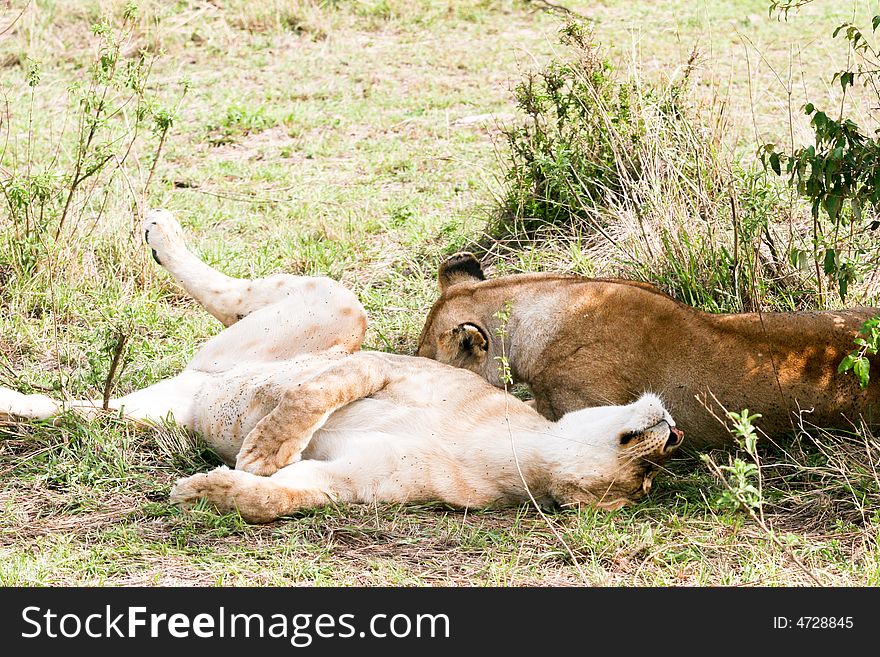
(59,180)
(633,173)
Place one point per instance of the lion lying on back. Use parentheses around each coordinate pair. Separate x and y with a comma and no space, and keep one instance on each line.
(285,395)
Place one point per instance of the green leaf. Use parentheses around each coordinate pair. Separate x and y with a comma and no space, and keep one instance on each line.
(875,22)
(856,206)
(832,206)
(861,369)
(751,441)
(799,259)
(847,363)
(774,164)
(830,263)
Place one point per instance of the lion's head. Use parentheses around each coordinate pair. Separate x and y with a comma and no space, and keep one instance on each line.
(631,443)
(454,333)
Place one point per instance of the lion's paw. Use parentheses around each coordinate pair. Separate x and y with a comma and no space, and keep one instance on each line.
(14,404)
(213,486)
(256,464)
(257,499)
(163,234)
(261,462)
(270,447)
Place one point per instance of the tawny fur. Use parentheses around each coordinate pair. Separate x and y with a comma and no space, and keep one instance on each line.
(579,342)
(284,394)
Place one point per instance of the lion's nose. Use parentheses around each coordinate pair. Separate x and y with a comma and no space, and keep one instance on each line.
(676,435)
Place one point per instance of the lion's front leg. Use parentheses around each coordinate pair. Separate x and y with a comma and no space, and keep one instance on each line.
(257,499)
(280,438)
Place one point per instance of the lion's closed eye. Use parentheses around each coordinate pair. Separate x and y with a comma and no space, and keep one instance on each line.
(627,437)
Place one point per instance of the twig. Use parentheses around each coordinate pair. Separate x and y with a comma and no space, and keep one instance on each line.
(522,477)
(736,264)
(135,200)
(15,20)
(121,339)
(162,138)
(17,377)
(560,9)
(241,199)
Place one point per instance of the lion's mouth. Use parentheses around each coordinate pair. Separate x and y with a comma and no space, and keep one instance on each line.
(676,436)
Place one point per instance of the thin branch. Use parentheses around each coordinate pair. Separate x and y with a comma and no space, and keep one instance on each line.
(118,348)
(560,9)
(15,20)
(162,138)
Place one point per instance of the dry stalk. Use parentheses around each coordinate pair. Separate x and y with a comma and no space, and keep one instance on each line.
(118,348)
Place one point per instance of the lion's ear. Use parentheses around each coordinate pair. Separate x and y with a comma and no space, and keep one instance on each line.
(461,267)
(462,342)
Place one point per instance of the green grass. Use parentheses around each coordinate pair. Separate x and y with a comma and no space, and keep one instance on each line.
(326,138)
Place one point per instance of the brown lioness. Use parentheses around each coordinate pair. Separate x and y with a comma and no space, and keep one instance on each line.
(284,394)
(580,342)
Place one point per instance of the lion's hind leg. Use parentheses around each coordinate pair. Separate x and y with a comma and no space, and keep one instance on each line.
(258,499)
(232,299)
